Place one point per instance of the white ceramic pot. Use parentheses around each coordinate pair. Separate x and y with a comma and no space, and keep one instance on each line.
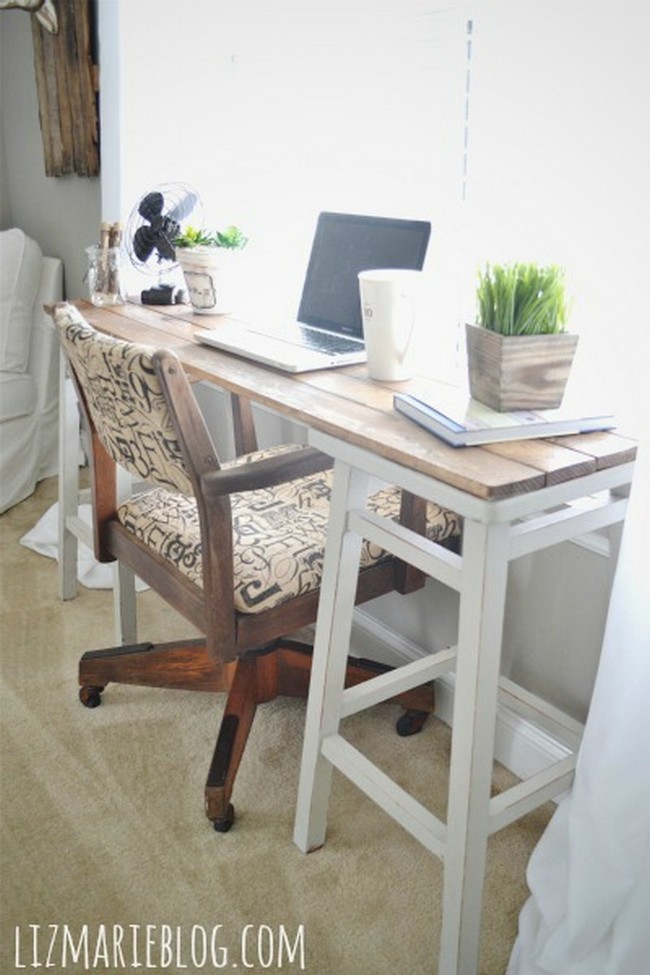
(208,277)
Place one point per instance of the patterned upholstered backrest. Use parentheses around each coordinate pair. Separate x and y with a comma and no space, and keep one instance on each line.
(125,400)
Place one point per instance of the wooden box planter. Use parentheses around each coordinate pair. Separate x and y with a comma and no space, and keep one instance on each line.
(518,372)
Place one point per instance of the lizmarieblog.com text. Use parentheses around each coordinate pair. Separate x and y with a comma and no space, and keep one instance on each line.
(159,947)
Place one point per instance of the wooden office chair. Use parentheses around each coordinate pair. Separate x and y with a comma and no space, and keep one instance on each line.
(236,548)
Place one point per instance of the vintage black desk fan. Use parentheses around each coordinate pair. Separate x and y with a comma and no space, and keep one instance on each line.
(152,226)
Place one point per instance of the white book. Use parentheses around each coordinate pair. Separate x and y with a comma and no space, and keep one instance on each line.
(462,421)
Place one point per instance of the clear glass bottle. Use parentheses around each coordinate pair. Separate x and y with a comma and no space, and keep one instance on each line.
(104,275)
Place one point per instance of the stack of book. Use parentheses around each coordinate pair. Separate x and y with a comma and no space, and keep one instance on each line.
(462,422)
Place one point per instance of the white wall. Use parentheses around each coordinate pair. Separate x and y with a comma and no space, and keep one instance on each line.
(5,217)
(62,213)
(277,111)
(559,152)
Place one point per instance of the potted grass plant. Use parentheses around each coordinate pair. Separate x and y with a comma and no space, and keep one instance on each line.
(519,353)
(206,258)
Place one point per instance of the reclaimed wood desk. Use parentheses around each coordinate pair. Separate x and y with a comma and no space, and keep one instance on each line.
(515,498)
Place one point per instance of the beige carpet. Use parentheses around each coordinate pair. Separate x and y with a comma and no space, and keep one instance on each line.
(102,818)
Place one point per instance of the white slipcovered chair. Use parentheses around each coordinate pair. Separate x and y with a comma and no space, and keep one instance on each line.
(29,366)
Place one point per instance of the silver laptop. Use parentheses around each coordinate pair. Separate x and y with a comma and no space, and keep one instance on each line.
(329,331)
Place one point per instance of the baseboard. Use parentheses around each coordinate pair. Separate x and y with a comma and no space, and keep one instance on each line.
(521,746)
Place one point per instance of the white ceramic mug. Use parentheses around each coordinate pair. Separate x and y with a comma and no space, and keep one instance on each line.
(389,311)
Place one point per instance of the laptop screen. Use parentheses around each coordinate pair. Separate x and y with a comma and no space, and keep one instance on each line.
(345,244)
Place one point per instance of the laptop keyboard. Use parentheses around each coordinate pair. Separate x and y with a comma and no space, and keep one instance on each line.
(324,342)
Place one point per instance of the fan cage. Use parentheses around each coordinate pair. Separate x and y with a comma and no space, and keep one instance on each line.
(177,198)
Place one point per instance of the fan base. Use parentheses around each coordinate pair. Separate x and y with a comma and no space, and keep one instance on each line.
(163,294)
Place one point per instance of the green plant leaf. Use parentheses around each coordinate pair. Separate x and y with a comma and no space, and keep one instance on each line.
(521,299)
(231,238)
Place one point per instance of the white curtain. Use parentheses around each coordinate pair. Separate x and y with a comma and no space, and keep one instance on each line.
(589,909)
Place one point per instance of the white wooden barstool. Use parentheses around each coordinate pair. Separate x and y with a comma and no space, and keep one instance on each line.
(495,531)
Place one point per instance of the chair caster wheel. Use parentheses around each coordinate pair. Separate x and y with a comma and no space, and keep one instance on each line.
(411,722)
(223,825)
(90,697)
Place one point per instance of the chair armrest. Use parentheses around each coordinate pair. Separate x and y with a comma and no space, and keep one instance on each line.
(265,473)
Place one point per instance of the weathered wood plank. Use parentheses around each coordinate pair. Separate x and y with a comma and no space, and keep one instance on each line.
(607,448)
(557,461)
(66,81)
(367,418)
(302,399)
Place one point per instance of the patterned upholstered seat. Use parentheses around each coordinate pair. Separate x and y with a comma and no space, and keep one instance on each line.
(278,534)
(236,548)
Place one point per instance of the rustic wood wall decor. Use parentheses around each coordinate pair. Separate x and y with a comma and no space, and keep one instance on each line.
(67,84)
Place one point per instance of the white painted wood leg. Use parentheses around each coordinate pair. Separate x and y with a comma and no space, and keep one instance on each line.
(124,595)
(482,601)
(333,627)
(68,486)
(124,605)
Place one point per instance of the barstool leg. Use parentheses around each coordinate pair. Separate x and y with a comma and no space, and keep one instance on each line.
(333,628)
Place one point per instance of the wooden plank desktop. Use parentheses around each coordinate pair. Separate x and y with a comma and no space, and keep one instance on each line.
(348,405)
